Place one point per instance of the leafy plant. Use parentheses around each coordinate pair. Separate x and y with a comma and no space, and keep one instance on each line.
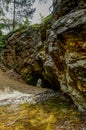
(1,42)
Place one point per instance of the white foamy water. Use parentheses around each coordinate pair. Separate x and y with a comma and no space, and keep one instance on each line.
(7,94)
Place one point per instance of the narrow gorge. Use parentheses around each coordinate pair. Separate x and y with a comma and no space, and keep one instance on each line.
(52,55)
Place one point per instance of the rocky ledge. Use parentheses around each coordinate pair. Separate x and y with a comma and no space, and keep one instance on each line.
(54,54)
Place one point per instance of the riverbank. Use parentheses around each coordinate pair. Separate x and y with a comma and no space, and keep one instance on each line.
(53,114)
(25,107)
(16,92)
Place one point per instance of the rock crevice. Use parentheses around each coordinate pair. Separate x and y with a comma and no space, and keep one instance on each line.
(59,60)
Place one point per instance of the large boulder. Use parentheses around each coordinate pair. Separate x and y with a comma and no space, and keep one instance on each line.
(58,61)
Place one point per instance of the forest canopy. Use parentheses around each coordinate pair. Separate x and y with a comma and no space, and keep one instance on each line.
(16,13)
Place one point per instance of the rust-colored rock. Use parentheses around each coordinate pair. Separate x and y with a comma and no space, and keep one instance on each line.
(59,60)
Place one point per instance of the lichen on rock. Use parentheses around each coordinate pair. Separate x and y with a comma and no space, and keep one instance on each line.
(57,55)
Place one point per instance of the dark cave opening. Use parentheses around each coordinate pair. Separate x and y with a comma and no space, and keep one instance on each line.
(47,82)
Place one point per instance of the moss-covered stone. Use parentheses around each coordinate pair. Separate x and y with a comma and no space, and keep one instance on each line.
(52,114)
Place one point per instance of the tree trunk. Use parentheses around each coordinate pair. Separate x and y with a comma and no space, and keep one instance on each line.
(14,16)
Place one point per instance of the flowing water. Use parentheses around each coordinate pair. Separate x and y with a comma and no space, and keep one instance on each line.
(15,92)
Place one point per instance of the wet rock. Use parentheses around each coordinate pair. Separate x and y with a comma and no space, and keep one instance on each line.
(59,60)
(39,83)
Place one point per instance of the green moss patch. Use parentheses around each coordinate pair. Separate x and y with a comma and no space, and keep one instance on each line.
(49,115)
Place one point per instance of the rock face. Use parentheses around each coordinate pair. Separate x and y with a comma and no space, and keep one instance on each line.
(59,59)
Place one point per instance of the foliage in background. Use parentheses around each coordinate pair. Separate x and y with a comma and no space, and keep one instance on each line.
(46,19)
(1,42)
(18,10)
(19,13)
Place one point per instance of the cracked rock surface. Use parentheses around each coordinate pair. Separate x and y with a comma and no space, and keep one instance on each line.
(59,60)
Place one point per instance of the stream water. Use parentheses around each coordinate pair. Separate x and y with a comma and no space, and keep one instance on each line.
(15,92)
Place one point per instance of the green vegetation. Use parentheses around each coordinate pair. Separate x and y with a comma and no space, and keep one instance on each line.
(45,116)
(46,19)
(22,28)
(1,42)
(42,26)
(35,26)
(21,12)
(2,25)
